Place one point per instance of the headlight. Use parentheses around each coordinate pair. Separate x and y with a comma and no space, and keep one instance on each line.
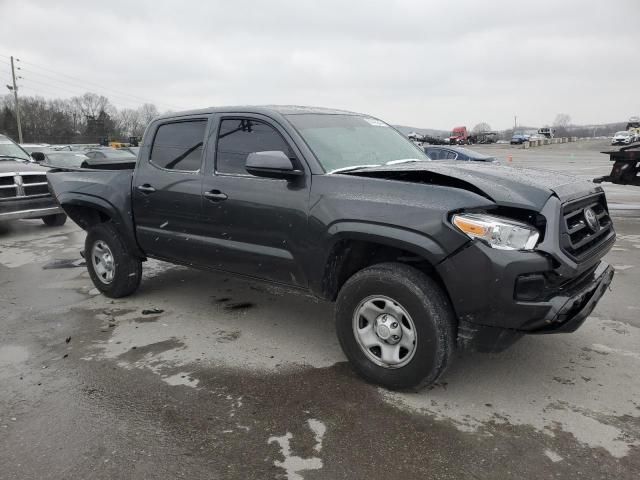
(498,232)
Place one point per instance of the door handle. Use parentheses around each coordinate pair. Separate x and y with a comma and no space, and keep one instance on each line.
(215,195)
(146,188)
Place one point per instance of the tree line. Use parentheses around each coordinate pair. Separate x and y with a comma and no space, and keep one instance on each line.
(83,119)
(91,117)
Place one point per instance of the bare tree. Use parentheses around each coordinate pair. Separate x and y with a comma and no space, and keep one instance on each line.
(85,118)
(148,112)
(562,120)
(90,104)
(561,124)
(129,121)
(481,127)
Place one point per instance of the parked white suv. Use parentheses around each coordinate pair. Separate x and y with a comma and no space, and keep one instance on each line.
(622,137)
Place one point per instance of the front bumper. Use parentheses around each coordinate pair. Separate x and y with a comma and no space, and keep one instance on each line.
(482,284)
(23,207)
(572,307)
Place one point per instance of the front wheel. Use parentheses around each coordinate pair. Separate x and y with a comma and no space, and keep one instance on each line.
(56,220)
(395,325)
(113,268)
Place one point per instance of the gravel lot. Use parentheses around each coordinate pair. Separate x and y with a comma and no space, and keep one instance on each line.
(200,375)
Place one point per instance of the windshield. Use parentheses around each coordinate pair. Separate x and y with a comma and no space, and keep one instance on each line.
(340,141)
(31,149)
(10,149)
(623,134)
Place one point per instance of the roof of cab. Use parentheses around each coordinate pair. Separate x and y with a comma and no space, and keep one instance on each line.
(262,109)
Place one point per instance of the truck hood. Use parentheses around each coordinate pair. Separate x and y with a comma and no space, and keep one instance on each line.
(8,166)
(506,186)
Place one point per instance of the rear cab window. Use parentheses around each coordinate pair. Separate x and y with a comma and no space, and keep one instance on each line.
(178,145)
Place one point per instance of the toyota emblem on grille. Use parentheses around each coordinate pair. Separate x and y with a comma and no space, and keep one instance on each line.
(591,219)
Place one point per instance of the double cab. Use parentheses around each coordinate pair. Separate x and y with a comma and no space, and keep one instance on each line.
(420,257)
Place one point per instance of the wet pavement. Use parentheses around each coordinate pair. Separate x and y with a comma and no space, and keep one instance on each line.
(201,375)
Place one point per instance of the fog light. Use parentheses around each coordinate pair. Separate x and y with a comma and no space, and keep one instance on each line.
(529,287)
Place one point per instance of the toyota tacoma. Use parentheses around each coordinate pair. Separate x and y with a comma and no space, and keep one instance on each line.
(419,257)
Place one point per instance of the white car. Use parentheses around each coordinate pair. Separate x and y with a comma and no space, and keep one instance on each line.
(622,138)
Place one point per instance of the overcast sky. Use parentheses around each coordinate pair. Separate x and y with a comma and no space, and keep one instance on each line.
(424,64)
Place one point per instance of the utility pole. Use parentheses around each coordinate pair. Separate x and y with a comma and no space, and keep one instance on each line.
(15,95)
(515,122)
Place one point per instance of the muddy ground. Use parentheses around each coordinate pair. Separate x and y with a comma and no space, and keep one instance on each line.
(201,375)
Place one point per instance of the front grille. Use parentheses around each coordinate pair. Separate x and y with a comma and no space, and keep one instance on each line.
(579,239)
(31,178)
(8,191)
(23,185)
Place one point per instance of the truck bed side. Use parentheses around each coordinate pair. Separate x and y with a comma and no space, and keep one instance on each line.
(91,196)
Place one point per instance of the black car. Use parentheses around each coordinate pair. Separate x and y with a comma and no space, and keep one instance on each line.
(419,256)
(457,153)
(109,158)
(66,159)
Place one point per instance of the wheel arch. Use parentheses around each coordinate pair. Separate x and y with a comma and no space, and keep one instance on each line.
(88,211)
(352,249)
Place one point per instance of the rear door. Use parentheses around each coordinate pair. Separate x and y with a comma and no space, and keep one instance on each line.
(167,189)
(254,226)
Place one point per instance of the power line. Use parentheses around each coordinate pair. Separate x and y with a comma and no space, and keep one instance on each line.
(84,87)
(146,100)
(78,90)
(73,90)
(39,90)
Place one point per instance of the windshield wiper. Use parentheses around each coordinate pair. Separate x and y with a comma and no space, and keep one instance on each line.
(404,160)
(391,162)
(352,167)
(13,157)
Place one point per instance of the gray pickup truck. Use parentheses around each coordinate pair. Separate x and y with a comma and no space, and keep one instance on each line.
(24,192)
(419,256)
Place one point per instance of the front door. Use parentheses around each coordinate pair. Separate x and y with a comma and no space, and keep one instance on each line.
(255,226)
(167,190)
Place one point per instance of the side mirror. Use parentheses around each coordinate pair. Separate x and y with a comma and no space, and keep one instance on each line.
(38,157)
(271,164)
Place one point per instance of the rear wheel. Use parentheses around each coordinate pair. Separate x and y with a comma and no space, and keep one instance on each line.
(395,325)
(55,220)
(113,268)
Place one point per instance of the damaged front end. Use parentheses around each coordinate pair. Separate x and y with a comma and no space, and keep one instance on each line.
(550,289)
(544,275)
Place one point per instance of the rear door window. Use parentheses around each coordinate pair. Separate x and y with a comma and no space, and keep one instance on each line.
(433,153)
(178,146)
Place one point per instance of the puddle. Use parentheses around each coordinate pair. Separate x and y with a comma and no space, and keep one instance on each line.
(64,263)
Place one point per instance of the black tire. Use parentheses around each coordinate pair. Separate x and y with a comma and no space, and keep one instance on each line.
(429,309)
(128,267)
(56,220)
